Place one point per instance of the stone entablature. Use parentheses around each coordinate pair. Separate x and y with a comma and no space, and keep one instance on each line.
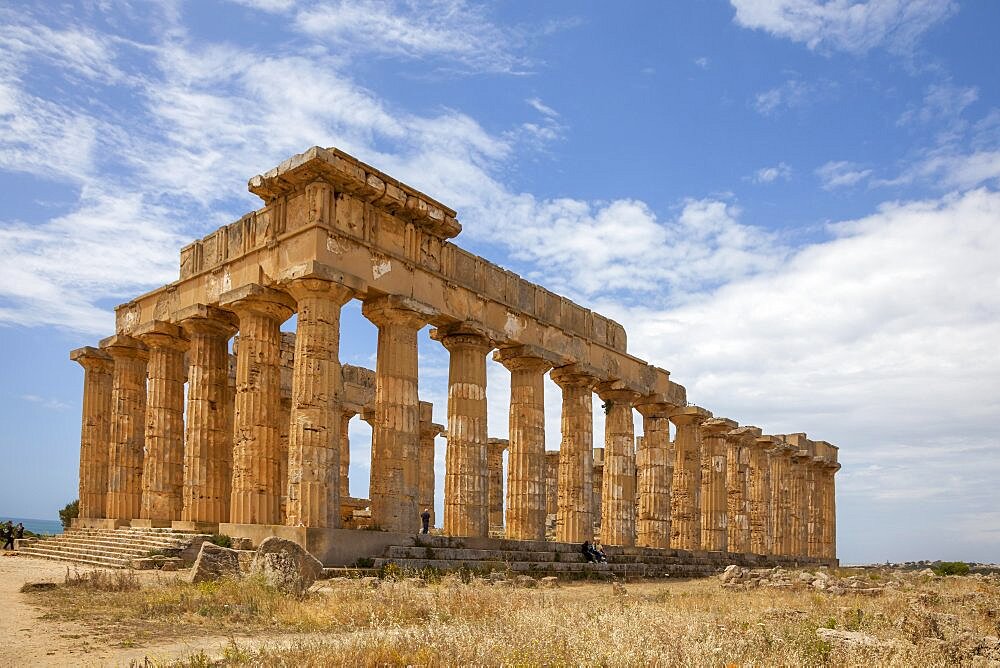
(264,433)
(318,221)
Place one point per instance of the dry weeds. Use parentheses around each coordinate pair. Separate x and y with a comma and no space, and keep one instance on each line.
(919,621)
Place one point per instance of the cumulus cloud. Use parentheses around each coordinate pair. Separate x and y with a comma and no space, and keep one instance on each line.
(771,174)
(845,25)
(841,174)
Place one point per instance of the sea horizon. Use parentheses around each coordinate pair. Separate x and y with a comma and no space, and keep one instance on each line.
(36,525)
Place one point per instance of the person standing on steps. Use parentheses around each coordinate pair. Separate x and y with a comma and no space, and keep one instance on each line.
(425,520)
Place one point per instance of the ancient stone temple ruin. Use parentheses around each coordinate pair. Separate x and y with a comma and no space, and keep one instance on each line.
(180,432)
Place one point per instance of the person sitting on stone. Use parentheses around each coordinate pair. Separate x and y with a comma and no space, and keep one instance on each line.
(588,552)
(7,535)
(19,531)
(599,553)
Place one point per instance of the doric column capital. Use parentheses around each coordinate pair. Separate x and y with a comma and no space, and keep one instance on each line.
(775,446)
(259,300)
(159,334)
(651,407)
(522,358)
(463,335)
(392,309)
(124,346)
(301,288)
(204,319)
(615,392)
(431,430)
(746,435)
(686,415)
(575,375)
(717,426)
(93,359)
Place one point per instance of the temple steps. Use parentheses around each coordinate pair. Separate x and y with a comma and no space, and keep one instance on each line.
(109,548)
(447,553)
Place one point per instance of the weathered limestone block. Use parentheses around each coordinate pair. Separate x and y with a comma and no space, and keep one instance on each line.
(286,565)
(575,515)
(208,457)
(163,463)
(655,464)
(466,483)
(128,413)
(256,486)
(428,432)
(215,562)
(780,455)
(714,507)
(738,481)
(396,418)
(317,385)
(494,462)
(685,528)
(95,430)
(526,467)
(759,483)
(619,477)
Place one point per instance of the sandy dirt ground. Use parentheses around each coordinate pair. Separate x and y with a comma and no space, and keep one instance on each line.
(28,639)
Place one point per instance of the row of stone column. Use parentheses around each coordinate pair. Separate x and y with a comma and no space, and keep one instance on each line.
(684,498)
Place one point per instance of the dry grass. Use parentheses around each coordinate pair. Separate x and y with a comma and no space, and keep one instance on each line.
(923,621)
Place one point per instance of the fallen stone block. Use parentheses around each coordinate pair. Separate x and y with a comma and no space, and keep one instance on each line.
(215,562)
(286,565)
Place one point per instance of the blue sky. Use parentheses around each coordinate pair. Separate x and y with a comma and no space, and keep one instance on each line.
(791,204)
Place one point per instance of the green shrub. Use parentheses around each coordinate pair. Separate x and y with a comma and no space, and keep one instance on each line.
(69,513)
(951,568)
(221,539)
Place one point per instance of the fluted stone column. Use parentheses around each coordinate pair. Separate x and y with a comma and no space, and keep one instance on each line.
(780,455)
(526,468)
(396,428)
(345,454)
(95,429)
(551,486)
(798,495)
(163,463)
(575,515)
(830,503)
(128,415)
(814,484)
(655,463)
(466,482)
(759,474)
(425,465)
(208,457)
(685,529)
(597,480)
(618,484)
(256,487)
(714,503)
(314,437)
(494,463)
(738,482)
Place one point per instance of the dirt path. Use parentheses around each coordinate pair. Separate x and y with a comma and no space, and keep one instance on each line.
(43,642)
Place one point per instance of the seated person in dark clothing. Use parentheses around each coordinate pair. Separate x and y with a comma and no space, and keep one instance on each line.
(599,553)
(588,552)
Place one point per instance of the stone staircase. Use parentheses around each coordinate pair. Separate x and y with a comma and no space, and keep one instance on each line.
(113,548)
(561,559)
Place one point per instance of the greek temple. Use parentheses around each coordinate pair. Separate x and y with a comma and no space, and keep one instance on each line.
(201,415)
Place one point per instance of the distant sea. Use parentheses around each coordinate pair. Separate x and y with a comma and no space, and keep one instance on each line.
(38,526)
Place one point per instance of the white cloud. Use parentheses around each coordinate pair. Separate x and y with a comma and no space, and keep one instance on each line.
(841,174)
(453,30)
(702,62)
(941,102)
(792,93)
(275,6)
(845,25)
(542,108)
(958,170)
(772,174)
